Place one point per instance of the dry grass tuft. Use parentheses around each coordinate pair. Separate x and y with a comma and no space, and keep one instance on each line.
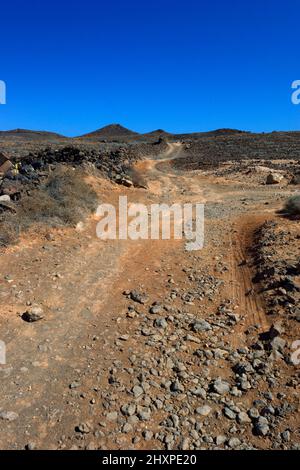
(63,200)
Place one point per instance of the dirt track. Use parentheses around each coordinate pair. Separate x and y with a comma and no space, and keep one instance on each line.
(56,376)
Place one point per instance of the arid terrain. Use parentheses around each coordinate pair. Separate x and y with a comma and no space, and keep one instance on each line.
(123,344)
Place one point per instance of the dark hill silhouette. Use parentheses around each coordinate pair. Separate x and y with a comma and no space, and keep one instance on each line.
(27,134)
(110,132)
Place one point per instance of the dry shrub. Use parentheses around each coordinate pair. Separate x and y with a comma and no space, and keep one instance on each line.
(292,206)
(64,199)
(138,179)
(9,229)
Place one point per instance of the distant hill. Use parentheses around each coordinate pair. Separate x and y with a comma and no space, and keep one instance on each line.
(111,132)
(226,132)
(26,134)
(158,133)
(120,134)
(214,133)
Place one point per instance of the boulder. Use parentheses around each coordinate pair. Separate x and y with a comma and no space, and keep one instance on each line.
(5,198)
(274,178)
(33,315)
(5,163)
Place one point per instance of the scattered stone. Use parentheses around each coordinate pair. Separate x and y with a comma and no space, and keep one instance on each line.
(234,442)
(124,337)
(220,386)
(112,416)
(84,428)
(75,385)
(253,413)
(278,344)
(127,427)
(243,418)
(129,409)
(144,413)
(147,435)
(176,386)
(160,323)
(286,435)
(30,446)
(220,440)
(124,181)
(139,297)
(229,413)
(261,427)
(8,415)
(192,338)
(137,391)
(275,330)
(5,198)
(199,392)
(203,410)
(201,325)
(33,315)
(184,444)
(156,309)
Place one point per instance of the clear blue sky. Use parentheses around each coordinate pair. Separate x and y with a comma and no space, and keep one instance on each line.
(183,66)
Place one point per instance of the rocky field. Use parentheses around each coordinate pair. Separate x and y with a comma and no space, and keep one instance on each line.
(123,344)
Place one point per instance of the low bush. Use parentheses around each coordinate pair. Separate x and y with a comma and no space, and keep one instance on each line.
(63,200)
(292,206)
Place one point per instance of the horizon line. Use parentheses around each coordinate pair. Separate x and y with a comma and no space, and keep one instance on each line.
(34,130)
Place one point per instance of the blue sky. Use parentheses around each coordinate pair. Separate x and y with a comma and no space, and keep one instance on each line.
(183,66)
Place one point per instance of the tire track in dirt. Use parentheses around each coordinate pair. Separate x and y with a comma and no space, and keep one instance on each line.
(240,274)
(242,289)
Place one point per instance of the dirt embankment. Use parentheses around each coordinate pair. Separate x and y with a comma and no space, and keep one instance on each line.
(47,187)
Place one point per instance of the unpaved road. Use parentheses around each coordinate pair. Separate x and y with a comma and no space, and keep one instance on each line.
(67,376)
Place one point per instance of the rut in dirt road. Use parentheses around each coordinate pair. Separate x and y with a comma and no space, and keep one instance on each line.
(243,288)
